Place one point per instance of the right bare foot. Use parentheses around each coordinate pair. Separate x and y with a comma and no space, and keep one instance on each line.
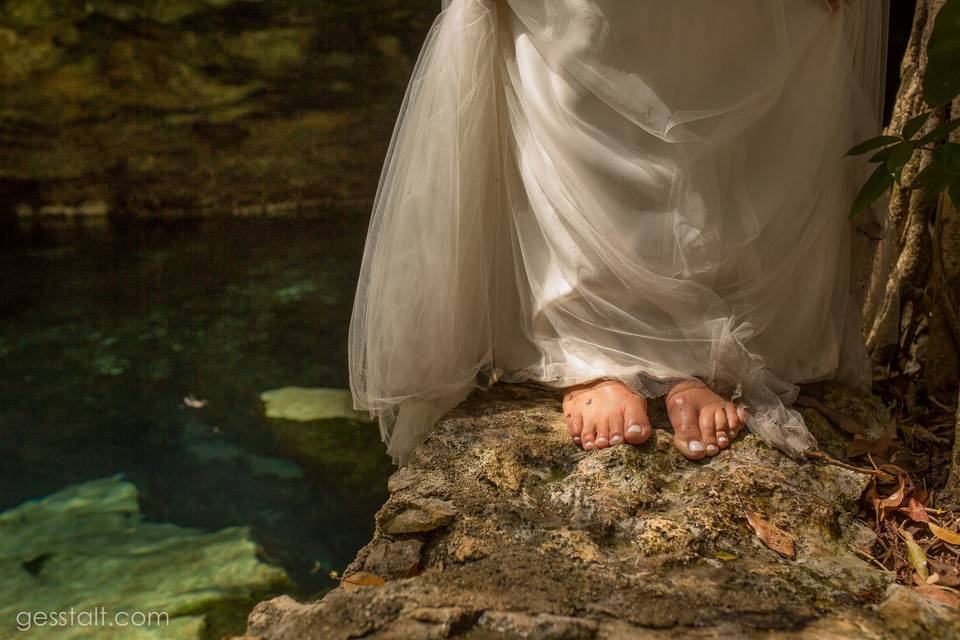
(605,413)
(703,422)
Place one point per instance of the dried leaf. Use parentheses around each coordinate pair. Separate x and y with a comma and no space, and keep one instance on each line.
(915,511)
(881,447)
(895,499)
(360,580)
(724,555)
(925,435)
(841,420)
(944,534)
(915,554)
(776,539)
(194,403)
(941,595)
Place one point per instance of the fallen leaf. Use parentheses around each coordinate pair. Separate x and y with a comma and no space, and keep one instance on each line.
(915,511)
(941,595)
(776,539)
(895,499)
(361,580)
(724,555)
(193,403)
(944,534)
(882,447)
(841,420)
(916,555)
(925,435)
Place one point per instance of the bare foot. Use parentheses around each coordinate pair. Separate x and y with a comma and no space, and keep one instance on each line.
(703,422)
(604,413)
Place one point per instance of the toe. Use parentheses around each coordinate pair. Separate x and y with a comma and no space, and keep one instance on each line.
(616,428)
(603,434)
(588,434)
(688,439)
(575,423)
(708,430)
(737,418)
(722,427)
(636,423)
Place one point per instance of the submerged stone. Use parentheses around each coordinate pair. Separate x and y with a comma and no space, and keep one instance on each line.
(88,546)
(304,404)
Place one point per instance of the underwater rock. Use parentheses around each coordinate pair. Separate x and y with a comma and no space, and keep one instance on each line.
(88,546)
(335,445)
(304,404)
(544,540)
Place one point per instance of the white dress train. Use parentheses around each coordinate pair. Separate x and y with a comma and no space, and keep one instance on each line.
(643,190)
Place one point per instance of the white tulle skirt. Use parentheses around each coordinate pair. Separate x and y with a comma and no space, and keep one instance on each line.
(644,190)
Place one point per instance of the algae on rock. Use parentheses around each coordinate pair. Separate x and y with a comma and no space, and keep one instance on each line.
(88,546)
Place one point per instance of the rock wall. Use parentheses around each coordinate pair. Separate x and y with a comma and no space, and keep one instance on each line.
(203,106)
(501,528)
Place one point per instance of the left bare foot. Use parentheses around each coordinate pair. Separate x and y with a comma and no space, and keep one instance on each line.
(604,413)
(703,422)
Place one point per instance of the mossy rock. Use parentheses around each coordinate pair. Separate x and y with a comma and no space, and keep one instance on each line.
(88,546)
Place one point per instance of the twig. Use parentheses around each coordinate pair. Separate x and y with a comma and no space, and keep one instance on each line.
(820,455)
(867,556)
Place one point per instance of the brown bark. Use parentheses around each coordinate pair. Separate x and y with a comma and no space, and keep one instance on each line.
(911,300)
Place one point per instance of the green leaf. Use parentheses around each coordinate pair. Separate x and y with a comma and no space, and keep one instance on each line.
(875,186)
(899,156)
(914,124)
(941,81)
(882,155)
(940,132)
(948,157)
(915,554)
(871,144)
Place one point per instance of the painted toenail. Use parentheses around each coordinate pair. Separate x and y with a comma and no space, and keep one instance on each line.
(616,440)
(635,428)
(712,448)
(601,440)
(695,445)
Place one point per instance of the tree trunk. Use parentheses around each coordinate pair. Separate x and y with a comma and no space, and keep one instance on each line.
(910,307)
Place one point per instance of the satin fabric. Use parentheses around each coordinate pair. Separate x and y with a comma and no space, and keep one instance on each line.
(646,191)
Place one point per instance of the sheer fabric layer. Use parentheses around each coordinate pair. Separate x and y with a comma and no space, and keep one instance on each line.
(645,191)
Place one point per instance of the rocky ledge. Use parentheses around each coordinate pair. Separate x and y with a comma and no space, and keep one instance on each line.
(501,528)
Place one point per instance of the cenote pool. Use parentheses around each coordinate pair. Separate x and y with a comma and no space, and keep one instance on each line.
(141,349)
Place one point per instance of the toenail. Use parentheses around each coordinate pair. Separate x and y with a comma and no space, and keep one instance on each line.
(616,440)
(695,445)
(722,439)
(712,448)
(588,445)
(635,428)
(601,440)
(576,439)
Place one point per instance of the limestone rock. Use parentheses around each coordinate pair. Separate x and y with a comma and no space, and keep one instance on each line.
(542,540)
(418,516)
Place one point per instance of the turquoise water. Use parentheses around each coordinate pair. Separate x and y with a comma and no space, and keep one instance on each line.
(106,328)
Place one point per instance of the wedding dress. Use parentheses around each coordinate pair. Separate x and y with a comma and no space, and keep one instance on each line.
(638,190)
